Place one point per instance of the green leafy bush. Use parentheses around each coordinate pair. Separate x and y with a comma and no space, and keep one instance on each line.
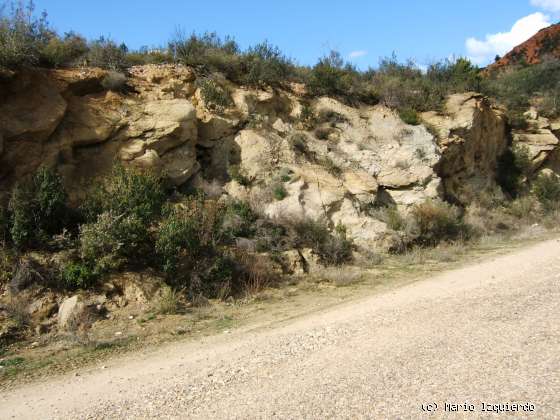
(435,221)
(114,240)
(329,77)
(518,87)
(208,52)
(38,208)
(279,192)
(331,248)
(76,275)
(22,35)
(127,191)
(547,190)
(409,116)
(177,239)
(105,53)
(189,232)
(214,96)
(239,219)
(66,51)
(266,66)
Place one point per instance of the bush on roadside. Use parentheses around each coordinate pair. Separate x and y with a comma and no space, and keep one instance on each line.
(331,248)
(435,221)
(38,208)
(114,240)
(546,187)
(189,237)
(77,275)
(126,191)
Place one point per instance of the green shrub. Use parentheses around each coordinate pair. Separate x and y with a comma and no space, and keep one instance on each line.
(75,275)
(188,246)
(208,52)
(239,219)
(127,191)
(306,116)
(409,116)
(436,221)
(266,66)
(214,96)
(7,264)
(22,35)
(177,238)
(114,240)
(547,190)
(189,232)
(328,76)
(38,208)
(279,192)
(516,88)
(147,56)
(105,53)
(66,51)
(331,248)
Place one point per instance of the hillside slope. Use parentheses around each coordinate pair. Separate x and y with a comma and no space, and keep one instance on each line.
(544,44)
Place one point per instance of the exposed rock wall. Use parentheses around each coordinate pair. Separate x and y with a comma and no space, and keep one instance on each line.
(351,160)
(472,135)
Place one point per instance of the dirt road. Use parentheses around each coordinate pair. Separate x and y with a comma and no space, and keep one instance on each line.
(485,334)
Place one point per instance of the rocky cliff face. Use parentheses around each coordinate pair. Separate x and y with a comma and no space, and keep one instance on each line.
(340,165)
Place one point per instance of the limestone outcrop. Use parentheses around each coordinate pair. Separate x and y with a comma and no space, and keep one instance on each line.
(472,135)
(539,140)
(340,166)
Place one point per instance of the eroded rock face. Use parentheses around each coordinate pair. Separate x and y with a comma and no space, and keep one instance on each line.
(472,136)
(351,160)
(540,142)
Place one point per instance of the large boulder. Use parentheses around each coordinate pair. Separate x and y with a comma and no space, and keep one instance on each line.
(71,313)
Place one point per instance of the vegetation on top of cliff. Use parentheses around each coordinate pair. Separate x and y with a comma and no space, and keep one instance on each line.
(28,40)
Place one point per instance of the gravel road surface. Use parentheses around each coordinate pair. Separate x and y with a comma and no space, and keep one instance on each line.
(485,338)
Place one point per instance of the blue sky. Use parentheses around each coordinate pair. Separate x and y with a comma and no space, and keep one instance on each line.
(362,31)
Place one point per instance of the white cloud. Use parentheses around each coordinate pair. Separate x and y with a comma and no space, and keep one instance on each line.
(357,54)
(483,52)
(550,5)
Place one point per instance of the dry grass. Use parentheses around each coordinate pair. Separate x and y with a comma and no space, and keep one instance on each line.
(169,303)
(340,276)
(16,308)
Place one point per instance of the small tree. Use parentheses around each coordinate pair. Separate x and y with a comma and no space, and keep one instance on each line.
(22,35)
